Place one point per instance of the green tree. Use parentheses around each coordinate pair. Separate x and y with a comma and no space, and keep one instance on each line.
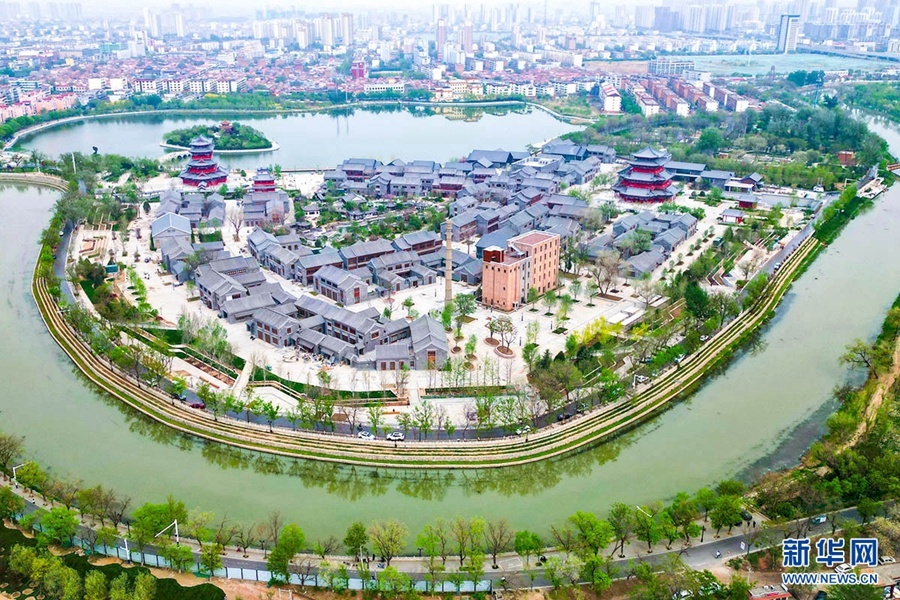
(11,505)
(95,587)
(527,544)
(727,513)
(710,141)
(58,526)
(144,587)
(388,538)
(532,297)
(290,541)
(211,558)
(356,540)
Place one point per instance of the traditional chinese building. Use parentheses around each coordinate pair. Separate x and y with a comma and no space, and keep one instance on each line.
(646,179)
(202,170)
(263,181)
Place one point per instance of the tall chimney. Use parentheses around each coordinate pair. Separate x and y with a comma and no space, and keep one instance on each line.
(448,264)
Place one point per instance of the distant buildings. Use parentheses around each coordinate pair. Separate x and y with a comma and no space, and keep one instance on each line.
(788,29)
(667,67)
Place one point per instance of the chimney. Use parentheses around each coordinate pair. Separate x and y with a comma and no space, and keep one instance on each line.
(448,264)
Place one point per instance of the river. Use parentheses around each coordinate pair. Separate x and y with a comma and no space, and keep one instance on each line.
(319,139)
(760,413)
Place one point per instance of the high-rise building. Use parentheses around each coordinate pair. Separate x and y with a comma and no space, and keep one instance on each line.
(440,38)
(347,29)
(465,37)
(788,28)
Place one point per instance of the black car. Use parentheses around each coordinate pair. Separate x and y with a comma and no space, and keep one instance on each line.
(745,515)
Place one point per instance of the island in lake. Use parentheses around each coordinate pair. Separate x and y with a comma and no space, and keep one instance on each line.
(227,136)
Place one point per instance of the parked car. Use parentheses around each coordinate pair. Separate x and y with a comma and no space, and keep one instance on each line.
(818,520)
(642,379)
(199,405)
(886,560)
(843,568)
(395,436)
(582,407)
(524,429)
(704,338)
(365,435)
(745,515)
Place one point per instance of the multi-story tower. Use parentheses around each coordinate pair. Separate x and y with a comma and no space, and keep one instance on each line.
(202,170)
(646,180)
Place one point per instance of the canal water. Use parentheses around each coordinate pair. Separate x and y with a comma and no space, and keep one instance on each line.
(320,139)
(761,413)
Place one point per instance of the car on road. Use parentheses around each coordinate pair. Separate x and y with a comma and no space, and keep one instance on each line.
(523,430)
(199,405)
(843,568)
(745,515)
(365,435)
(886,560)
(704,338)
(818,520)
(777,266)
(582,407)
(642,378)
(395,436)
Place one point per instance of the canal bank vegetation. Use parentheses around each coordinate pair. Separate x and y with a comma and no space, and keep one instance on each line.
(794,148)
(27,566)
(227,136)
(856,461)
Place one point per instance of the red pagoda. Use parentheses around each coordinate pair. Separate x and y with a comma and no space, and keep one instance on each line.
(202,171)
(646,180)
(263,181)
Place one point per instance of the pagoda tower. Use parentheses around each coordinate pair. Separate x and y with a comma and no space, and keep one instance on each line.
(646,179)
(202,170)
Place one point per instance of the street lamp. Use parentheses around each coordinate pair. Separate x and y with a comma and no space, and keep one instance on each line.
(175,523)
(16,481)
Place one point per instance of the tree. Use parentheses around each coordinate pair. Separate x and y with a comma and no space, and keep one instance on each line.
(498,537)
(388,538)
(565,305)
(211,558)
(605,269)
(855,592)
(95,587)
(860,354)
(621,522)
(11,504)
(710,141)
(408,304)
(505,328)
(236,219)
(474,567)
(466,535)
(646,524)
(575,289)
(118,590)
(550,300)
(290,541)
(696,300)
(144,587)
(10,449)
(532,297)
(647,289)
(436,538)
(465,306)
(527,544)
(591,291)
(727,513)
(705,499)
(58,526)
(356,539)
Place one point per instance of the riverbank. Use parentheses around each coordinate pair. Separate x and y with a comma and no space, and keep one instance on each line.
(47,125)
(601,424)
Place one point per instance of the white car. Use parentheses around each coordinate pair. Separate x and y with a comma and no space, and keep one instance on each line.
(843,568)
(365,435)
(395,436)
(818,520)
(642,379)
(524,429)
(887,560)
